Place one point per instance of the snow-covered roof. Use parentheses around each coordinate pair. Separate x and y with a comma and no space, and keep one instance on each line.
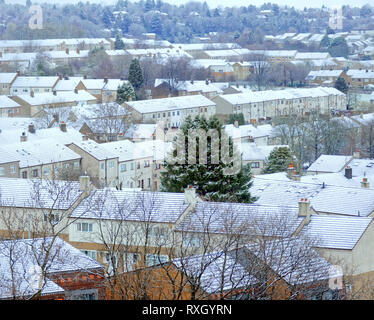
(221,271)
(95,149)
(50,42)
(102,84)
(206,63)
(127,150)
(205,46)
(140,131)
(311,55)
(38,193)
(34,82)
(337,232)
(364,118)
(71,54)
(227,52)
(268,95)
(10,136)
(323,198)
(292,259)
(250,151)
(224,217)
(42,151)
(7,77)
(191,86)
(169,104)
(164,207)
(67,84)
(248,130)
(329,163)
(28,254)
(323,73)
(360,74)
(59,97)
(6,102)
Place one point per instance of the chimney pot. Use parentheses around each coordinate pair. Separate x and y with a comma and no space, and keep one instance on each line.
(23,137)
(365,183)
(63,126)
(190,195)
(348,172)
(31,128)
(304,208)
(84,183)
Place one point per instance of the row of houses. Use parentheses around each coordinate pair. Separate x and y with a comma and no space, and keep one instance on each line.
(344,235)
(356,78)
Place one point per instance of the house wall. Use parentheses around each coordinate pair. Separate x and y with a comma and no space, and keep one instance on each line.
(10,170)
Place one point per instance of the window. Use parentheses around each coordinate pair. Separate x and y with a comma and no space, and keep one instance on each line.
(13,169)
(35,173)
(53,218)
(129,260)
(24,174)
(152,259)
(138,165)
(191,241)
(255,165)
(84,227)
(132,166)
(102,166)
(90,294)
(146,163)
(46,171)
(111,164)
(123,167)
(149,182)
(2,171)
(90,253)
(76,164)
(164,114)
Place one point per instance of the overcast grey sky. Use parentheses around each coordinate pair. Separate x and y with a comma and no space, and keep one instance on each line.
(214,3)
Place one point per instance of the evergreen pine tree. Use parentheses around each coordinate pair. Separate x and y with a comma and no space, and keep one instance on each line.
(278,161)
(237,116)
(135,74)
(107,17)
(118,43)
(210,179)
(156,25)
(341,85)
(124,93)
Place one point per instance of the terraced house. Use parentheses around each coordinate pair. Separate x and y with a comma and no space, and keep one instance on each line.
(265,105)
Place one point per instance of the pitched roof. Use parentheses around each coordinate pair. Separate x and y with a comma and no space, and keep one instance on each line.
(38,193)
(324,198)
(162,207)
(7,77)
(337,232)
(59,97)
(269,95)
(222,217)
(42,151)
(95,149)
(28,254)
(329,163)
(169,104)
(6,102)
(34,82)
